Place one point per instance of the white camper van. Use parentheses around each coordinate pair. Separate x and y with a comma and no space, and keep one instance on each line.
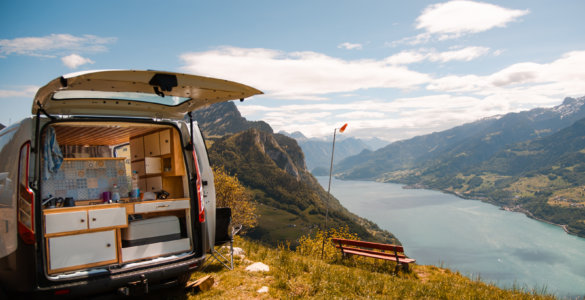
(108,188)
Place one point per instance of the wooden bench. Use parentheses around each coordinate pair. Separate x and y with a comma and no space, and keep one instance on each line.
(374,250)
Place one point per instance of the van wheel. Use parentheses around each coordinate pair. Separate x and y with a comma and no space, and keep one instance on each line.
(183,279)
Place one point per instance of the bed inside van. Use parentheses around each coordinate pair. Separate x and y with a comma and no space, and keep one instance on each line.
(83,166)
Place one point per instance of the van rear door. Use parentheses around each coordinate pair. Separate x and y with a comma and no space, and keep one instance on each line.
(151,94)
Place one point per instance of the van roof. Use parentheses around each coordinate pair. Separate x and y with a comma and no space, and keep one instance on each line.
(151,94)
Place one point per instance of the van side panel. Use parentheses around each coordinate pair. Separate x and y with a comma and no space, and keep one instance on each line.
(11,139)
(17,260)
(208,189)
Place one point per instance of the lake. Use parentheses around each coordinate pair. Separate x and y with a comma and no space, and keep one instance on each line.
(477,239)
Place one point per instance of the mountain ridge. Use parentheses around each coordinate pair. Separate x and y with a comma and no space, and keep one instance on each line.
(532,162)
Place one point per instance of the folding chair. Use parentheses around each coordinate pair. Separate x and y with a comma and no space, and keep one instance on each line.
(223,235)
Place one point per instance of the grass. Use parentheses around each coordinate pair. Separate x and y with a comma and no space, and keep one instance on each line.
(296,276)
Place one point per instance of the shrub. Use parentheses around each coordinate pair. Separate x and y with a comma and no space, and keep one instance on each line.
(229,192)
(311,244)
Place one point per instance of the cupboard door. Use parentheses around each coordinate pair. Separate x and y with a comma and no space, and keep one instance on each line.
(138,166)
(152,165)
(66,221)
(137,148)
(154,184)
(152,145)
(82,249)
(165,142)
(108,217)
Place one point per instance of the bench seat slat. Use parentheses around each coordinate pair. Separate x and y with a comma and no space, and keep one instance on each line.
(390,254)
(379,246)
(379,256)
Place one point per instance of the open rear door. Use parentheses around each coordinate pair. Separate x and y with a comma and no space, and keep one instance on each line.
(151,94)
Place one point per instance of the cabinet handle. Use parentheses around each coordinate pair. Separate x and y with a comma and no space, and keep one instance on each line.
(82,220)
(93,219)
(162,206)
(108,245)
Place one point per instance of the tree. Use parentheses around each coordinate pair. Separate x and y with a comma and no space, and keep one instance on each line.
(229,192)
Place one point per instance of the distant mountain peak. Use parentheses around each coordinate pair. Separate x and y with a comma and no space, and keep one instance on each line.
(570,106)
(297,135)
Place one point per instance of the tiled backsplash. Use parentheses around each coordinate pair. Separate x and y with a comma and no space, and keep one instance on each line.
(87,179)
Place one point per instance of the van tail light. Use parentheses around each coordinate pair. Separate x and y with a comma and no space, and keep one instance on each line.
(26,197)
(62,292)
(199,188)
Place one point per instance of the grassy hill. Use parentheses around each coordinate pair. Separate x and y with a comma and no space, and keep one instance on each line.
(296,276)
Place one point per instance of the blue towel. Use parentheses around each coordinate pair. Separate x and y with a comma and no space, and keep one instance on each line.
(52,154)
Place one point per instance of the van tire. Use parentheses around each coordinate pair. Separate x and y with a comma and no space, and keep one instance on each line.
(183,279)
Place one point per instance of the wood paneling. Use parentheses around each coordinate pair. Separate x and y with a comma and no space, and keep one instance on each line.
(99,134)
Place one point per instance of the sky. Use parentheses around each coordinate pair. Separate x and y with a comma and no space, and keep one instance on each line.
(390,69)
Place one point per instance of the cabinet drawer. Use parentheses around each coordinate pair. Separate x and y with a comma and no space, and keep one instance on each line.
(161,206)
(66,221)
(108,217)
(154,184)
(82,249)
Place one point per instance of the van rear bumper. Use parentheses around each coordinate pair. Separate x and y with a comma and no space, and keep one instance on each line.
(148,278)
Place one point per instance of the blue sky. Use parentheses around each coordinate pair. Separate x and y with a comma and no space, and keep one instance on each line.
(391,69)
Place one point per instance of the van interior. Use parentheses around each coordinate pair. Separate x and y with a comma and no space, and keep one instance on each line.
(118,196)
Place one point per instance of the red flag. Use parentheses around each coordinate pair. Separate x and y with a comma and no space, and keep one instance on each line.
(342,129)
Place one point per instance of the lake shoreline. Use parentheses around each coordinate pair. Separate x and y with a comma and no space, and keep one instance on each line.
(516,208)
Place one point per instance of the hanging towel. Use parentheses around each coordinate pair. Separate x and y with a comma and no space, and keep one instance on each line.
(51,154)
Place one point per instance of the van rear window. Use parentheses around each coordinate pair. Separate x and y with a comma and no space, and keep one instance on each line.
(126,96)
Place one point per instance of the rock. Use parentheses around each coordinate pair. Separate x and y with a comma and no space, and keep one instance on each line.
(239,251)
(263,289)
(258,267)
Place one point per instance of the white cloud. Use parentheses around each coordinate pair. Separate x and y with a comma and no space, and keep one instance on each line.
(25,91)
(54,44)
(74,60)
(350,46)
(465,54)
(562,77)
(415,56)
(300,75)
(456,18)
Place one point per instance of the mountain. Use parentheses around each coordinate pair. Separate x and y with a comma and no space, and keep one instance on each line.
(532,162)
(318,152)
(464,147)
(291,200)
(224,118)
(272,166)
(2,126)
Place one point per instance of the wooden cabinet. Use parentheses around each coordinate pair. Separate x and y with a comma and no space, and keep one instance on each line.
(66,221)
(173,163)
(165,142)
(137,148)
(160,165)
(72,221)
(83,237)
(154,184)
(108,217)
(152,144)
(88,249)
(145,207)
(152,165)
